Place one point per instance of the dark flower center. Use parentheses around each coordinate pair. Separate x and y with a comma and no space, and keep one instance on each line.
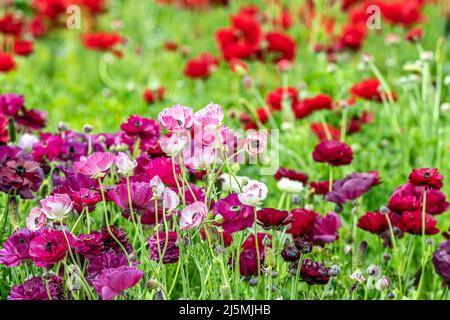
(20,170)
(235,209)
(137,124)
(426,175)
(50,246)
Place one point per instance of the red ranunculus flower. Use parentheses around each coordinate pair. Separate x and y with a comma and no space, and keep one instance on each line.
(321,130)
(275,98)
(303,221)
(270,218)
(411,222)
(370,89)
(151,96)
(426,177)
(280,46)
(7,62)
(101,41)
(201,67)
(374,222)
(333,152)
(291,174)
(49,247)
(23,47)
(414,35)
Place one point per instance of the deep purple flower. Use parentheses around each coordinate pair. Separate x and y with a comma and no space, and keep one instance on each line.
(49,247)
(16,248)
(313,272)
(111,282)
(110,243)
(89,245)
(36,289)
(107,260)
(236,216)
(441,261)
(172,249)
(351,187)
(248,262)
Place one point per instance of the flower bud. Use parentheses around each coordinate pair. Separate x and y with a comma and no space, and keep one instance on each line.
(13,212)
(87,128)
(373,270)
(253,282)
(225,292)
(153,284)
(383,284)
(360,255)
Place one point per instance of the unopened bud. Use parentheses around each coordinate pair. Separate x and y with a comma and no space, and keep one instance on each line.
(383,283)
(253,282)
(225,292)
(153,284)
(360,255)
(13,212)
(87,128)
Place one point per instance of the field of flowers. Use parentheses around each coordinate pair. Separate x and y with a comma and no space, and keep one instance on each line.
(224,149)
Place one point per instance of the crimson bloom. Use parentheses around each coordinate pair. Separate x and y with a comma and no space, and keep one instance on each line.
(374,222)
(411,222)
(280,46)
(303,221)
(101,41)
(201,67)
(275,98)
(370,89)
(333,152)
(23,47)
(4,135)
(270,218)
(414,35)
(7,62)
(248,262)
(291,175)
(426,177)
(151,96)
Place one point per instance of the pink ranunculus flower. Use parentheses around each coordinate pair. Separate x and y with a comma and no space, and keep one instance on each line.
(36,219)
(176,118)
(202,158)
(256,142)
(193,215)
(113,281)
(96,164)
(174,144)
(253,193)
(157,186)
(209,116)
(125,164)
(56,207)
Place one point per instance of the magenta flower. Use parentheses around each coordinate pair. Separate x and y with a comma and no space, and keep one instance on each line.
(193,215)
(36,289)
(56,207)
(107,260)
(85,198)
(326,228)
(49,247)
(163,168)
(111,282)
(176,118)
(236,216)
(95,165)
(16,248)
(11,104)
(172,250)
(142,201)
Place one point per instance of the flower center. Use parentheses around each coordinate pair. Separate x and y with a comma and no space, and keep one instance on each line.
(20,170)
(235,209)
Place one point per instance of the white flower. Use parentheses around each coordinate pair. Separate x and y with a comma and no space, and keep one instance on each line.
(173,145)
(358,276)
(290,186)
(253,193)
(170,199)
(125,164)
(158,187)
(27,141)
